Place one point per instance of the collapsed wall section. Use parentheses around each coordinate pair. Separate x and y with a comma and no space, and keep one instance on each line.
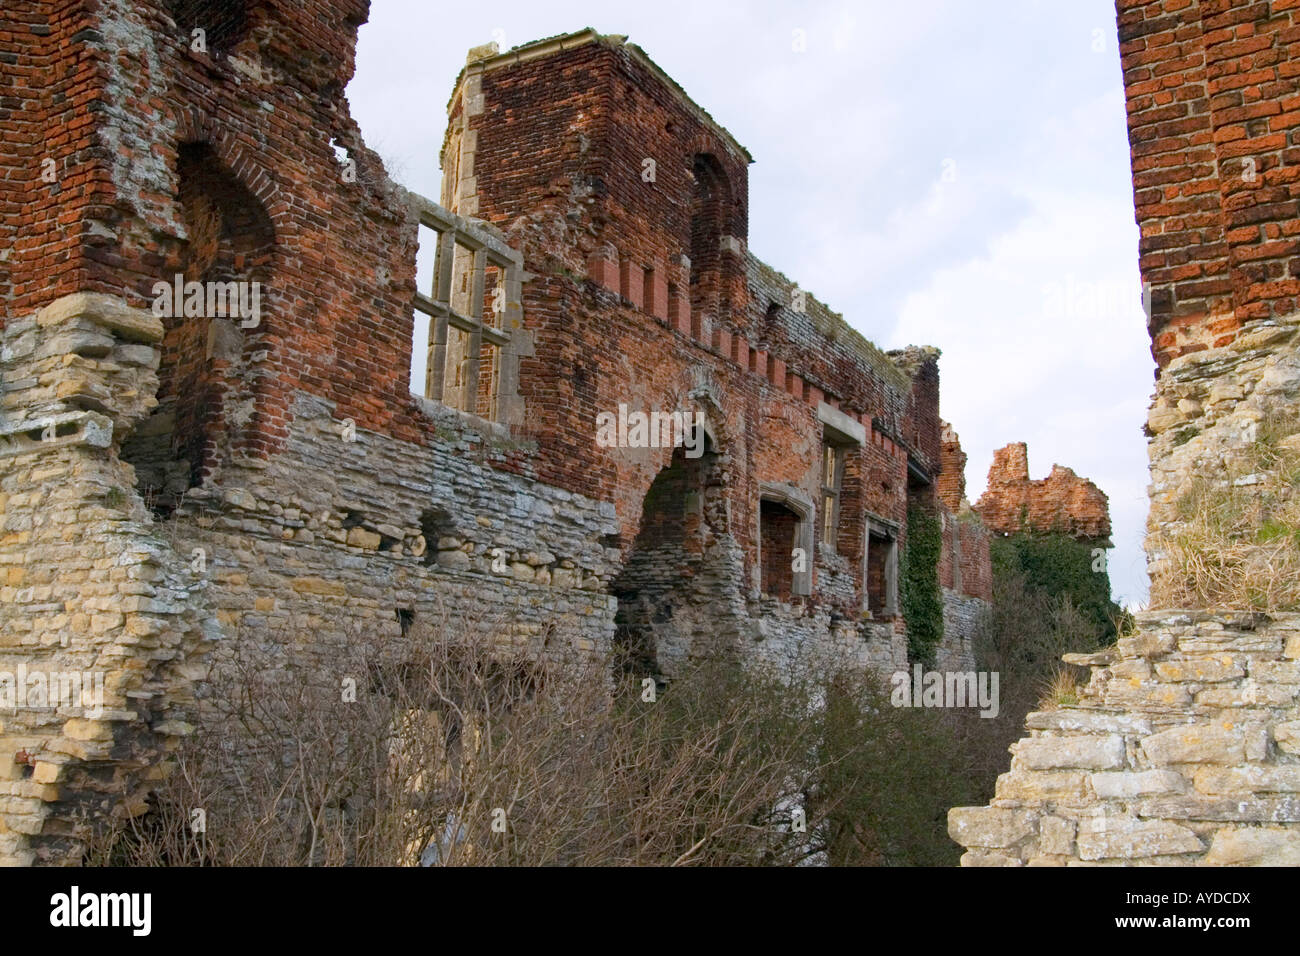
(1061,503)
(1181,750)
(101,620)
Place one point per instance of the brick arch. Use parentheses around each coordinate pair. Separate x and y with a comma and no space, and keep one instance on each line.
(696,391)
(734,172)
(197,126)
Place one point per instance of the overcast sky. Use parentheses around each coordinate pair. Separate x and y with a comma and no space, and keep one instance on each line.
(951,173)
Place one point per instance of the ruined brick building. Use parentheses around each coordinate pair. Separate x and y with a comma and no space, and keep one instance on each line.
(1062,502)
(169,481)
(1184,746)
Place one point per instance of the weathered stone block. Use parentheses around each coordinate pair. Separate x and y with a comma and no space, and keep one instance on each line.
(1196,743)
(1106,837)
(1200,669)
(1088,721)
(1089,753)
(1255,846)
(1287,736)
(1248,779)
(1056,836)
(1278,809)
(1281,672)
(1031,787)
(81,729)
(990,826)
(1135,784)
(362,538)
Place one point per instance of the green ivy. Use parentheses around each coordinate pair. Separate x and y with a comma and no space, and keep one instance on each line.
(922,598)
(1056,564)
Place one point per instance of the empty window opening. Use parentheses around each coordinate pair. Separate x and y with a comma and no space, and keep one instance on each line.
(425,256)
(832,474)
(470,310)
(882,572)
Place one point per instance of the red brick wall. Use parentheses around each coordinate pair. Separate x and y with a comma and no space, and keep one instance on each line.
(976,566)
(1214,117)
(952,470)
(336,306)
(1062,502)
(50,82)
(560,146)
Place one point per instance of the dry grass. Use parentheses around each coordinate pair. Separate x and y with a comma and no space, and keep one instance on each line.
(1238,545)
(1061,689)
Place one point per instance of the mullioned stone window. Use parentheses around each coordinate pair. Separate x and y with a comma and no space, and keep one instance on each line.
(474,311)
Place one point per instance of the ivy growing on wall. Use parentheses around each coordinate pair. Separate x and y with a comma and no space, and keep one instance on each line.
(922,598)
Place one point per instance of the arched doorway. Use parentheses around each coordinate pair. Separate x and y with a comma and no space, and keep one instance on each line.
(680,581)
(229,248)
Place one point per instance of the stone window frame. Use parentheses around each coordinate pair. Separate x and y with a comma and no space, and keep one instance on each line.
(794,500)
(459,240)
(843,434)
(833,455)
(889,530)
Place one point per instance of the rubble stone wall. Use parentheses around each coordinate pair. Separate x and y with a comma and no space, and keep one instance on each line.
(1181,750)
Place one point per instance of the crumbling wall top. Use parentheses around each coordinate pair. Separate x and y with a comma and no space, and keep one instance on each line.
(1061,502)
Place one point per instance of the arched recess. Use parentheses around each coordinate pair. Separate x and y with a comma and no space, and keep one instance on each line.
(711,209)
(682,571)
(225,269)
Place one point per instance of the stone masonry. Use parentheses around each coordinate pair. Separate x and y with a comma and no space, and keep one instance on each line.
(177,477)
(1181,750)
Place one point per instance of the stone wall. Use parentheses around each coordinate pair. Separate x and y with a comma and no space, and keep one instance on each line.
(1182,749)
(93,601)
(341,537)
(172,480)
(1215,411)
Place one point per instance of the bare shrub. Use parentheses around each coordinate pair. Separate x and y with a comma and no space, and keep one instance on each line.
(461,748)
